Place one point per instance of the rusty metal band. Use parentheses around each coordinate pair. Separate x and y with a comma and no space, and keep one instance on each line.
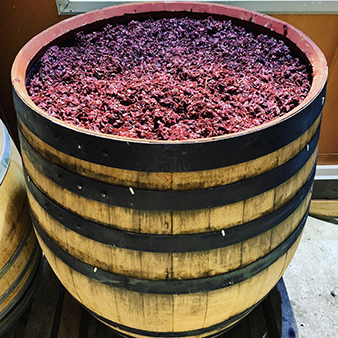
(166,156)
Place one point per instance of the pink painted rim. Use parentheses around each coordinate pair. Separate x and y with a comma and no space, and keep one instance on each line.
(302,41)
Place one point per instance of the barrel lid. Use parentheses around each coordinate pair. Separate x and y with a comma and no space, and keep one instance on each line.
(5,151)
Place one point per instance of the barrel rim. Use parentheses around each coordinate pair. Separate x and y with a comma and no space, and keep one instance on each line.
(304,44)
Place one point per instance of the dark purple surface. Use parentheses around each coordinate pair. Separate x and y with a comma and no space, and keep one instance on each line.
(170,79)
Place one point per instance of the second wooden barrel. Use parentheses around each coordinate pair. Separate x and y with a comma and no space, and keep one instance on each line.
(20,253)
(169,239)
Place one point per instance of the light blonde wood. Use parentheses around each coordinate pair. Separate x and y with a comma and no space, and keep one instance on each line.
(247,293)
(284,229)
(107,257)
(19,265)
(22,283)
(291,253)
(288,189)
(152,312)
(327,208)
(143,180)
(169,313)
(258,206)
(105,299)
(169,222)
(15,223)
(177,180)
(151,265)
(221,218)
(14,213)
(214,333)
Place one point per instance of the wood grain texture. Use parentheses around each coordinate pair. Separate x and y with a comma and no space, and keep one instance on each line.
(161,266)
(151,312)
(328,208)
(59,308)
(172,312)
(19,254)
(194,291)
(168,312)
(14,213)
(172,181)
(171,222)
(19,265)
(23,283)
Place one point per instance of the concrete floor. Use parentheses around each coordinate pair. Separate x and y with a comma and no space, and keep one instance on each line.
(312,281)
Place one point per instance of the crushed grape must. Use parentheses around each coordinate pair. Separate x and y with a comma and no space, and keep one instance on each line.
(170,79)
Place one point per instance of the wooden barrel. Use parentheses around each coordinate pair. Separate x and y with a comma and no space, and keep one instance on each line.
(169,239)
(20,253)
(324,202)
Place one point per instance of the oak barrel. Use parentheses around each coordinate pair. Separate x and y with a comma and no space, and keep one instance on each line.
(20,253)
(169,239)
